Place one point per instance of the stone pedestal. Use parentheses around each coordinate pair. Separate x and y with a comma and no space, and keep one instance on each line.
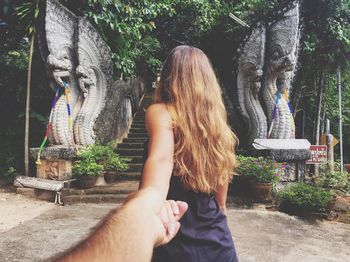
(55,162)
(54,169)
(290,154)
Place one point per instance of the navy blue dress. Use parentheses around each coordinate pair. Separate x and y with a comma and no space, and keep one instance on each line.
(204,235)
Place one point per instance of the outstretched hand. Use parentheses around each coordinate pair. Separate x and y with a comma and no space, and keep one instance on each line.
(164,214)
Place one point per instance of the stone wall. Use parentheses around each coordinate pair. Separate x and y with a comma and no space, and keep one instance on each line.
(121,103)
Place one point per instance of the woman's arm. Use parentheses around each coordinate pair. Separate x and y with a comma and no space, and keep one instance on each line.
(221,196)
(160,160)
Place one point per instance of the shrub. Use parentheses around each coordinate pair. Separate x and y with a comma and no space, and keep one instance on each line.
(303,199)
(336,180)
(95,159)
(260,168)
(86,168)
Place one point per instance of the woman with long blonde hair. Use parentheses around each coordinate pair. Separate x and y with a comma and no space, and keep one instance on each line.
(190,156)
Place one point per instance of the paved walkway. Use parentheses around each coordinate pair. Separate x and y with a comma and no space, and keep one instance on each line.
(259,235)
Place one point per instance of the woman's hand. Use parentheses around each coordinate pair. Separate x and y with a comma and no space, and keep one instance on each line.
(223,209)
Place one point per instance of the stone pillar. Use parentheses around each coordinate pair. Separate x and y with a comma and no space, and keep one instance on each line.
(55,162)
(55,169)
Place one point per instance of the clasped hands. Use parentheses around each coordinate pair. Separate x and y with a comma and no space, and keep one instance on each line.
(165,214)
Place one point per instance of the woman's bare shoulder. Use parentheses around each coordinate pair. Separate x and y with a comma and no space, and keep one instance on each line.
(158,114)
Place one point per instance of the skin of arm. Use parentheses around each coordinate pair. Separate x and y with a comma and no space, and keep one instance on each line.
(221,196)
(131,232)
(159,165)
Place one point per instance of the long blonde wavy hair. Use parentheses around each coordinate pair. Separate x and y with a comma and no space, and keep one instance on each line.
(204,143)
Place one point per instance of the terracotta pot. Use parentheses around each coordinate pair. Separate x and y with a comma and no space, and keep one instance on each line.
(111,176)
(87,181)
(242,185)
(262,191)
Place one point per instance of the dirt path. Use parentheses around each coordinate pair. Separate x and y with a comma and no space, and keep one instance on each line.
(16,209)
(35,231)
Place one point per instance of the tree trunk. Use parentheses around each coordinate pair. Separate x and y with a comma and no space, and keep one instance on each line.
(319,86)
(26,128)
(320,89)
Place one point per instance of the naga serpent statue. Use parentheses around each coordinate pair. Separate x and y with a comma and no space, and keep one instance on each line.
(281,60)
(265,72)
(95,74)
(80,63)
(61,61)
(250,71)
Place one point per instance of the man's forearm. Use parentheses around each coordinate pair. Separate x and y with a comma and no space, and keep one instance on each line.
(129,234)
(119,238)
(122,241)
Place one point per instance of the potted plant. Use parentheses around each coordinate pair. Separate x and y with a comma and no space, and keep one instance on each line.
(262,175)
(114,165)
(93,162)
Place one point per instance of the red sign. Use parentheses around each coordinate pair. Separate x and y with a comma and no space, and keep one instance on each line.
(318,155)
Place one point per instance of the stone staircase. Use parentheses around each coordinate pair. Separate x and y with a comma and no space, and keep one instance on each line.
(126,182)
(133,146)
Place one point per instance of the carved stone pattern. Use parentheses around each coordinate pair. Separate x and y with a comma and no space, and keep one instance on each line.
(93,54)
(283,33)
(59,27)
(250,68)
(290,155)
(52,170)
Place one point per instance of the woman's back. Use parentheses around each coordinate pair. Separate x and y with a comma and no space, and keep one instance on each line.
(204,234)
(189,138)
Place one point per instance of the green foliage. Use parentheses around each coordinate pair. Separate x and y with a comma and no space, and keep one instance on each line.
(126,26)
(86,168)
(11,172)
(28,12)
(8,166)
(302,199)
(260,168)
(331,107)
(336,180)
(17,58)
(96,159)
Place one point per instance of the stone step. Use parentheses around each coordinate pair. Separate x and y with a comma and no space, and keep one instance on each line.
(137,160)
(138,125)
(140,113)
(139,119)
(119,187)
(130,145)
(98,198)
(130,151)
(135,140)
(141,135)
(138,130)
(135,167)
(129,176)
(143,123)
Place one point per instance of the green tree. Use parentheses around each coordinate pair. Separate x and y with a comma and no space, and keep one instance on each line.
(326,45)
(28,12)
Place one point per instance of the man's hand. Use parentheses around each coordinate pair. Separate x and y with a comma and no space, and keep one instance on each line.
(164,214)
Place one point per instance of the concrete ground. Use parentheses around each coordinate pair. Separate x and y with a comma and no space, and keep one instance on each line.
(33,230)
